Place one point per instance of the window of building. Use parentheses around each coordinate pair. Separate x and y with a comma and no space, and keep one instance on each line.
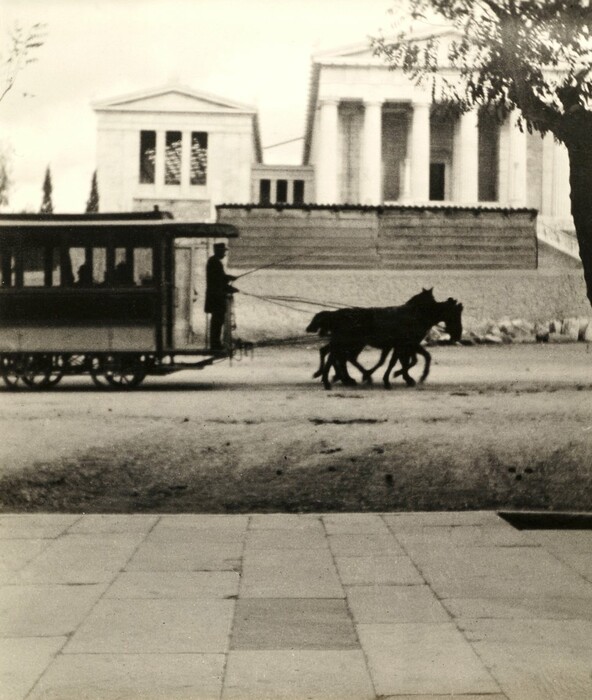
(437,181)
(281,196)
(199,157)
(172,158)
(265,191)
(147,157)
(298,197)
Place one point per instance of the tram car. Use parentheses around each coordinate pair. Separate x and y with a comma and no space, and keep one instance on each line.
(113,296)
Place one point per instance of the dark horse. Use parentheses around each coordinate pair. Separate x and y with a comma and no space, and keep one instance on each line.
(361,320)
(400,329)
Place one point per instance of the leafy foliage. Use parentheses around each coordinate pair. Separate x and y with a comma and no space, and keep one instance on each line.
(531,55)
(535,55)
(23,44)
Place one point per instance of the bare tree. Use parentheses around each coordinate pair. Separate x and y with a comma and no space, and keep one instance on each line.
(530,55)
(23,44)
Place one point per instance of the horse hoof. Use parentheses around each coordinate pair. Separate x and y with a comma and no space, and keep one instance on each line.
(411,384)
(387,385)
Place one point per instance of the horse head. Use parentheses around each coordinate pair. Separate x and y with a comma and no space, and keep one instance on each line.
(452,317)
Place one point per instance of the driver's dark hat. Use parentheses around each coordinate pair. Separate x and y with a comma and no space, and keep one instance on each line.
(220,247)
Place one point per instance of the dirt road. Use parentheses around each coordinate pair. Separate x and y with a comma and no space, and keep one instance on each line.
(506,426)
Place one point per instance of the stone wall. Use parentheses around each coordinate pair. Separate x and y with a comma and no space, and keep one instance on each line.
(488,259)
(383,238)
(486,295)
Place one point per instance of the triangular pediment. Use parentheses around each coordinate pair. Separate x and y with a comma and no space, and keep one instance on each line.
(363,54)
(172,99)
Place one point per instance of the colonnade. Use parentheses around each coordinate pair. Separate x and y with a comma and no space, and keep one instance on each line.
(415,178)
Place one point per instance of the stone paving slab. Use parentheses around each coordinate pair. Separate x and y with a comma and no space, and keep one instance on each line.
(305,623)
(22,661)
(175,584)
(390,569)
(378,604)
(154,626)
(35,526)
(45,610)
(89,558)
(132,677)
(295,675)
(249,607)
(538,672)
(423,658)
(290,574)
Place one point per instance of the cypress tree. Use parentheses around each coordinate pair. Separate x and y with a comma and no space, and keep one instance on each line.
(47,204)
(92,204)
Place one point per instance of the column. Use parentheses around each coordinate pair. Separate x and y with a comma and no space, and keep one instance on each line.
(159,160)
(419,152)
(516,163)
(326,163)
(371,156)
(465,166)
(185,161)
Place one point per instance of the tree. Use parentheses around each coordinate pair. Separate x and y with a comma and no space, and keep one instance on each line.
(5,178)
(47,204)
(92,204)
(531,55)
(22,44)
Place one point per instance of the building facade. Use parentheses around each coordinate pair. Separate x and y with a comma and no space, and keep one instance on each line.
(374,137)
(175,148)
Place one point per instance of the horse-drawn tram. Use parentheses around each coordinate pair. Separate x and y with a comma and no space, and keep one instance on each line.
(113,296)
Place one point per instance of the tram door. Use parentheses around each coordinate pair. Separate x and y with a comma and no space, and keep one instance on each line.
(190,326)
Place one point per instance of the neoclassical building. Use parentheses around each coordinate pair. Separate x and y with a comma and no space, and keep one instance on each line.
(372,137)
(177,148)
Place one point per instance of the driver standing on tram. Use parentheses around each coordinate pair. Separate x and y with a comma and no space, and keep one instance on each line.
(217,289)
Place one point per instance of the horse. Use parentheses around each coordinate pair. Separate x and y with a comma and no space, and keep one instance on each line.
(363,319)
(401,330)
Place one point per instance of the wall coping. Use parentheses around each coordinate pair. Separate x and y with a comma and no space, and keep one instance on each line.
(382,208)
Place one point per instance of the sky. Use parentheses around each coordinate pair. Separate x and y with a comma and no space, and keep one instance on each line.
(253,51)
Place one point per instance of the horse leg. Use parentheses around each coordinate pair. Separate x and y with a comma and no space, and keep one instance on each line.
(428,361)
(326,368)
(341,368)
(369,372)
(323,352)
(391,364)
(406,364)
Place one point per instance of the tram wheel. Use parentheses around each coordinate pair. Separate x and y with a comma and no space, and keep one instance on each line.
(118,371)
(11,370)
(41,372)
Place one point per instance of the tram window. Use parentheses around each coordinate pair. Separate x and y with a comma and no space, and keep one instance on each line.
(33,267)
(124,265)
(8,266)
(147,157)
(172,159)
(143,270)
(99,265)
(75,270)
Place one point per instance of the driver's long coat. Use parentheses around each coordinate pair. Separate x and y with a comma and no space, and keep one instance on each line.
(217,286)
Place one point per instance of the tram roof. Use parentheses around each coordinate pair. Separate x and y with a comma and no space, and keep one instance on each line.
(159,223)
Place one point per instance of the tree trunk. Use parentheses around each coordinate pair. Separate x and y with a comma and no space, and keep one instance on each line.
(580,178)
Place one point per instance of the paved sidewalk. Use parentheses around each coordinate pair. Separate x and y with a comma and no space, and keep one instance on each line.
(274,607)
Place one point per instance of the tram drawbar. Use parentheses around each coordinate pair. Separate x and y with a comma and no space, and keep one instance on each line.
(113,296)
